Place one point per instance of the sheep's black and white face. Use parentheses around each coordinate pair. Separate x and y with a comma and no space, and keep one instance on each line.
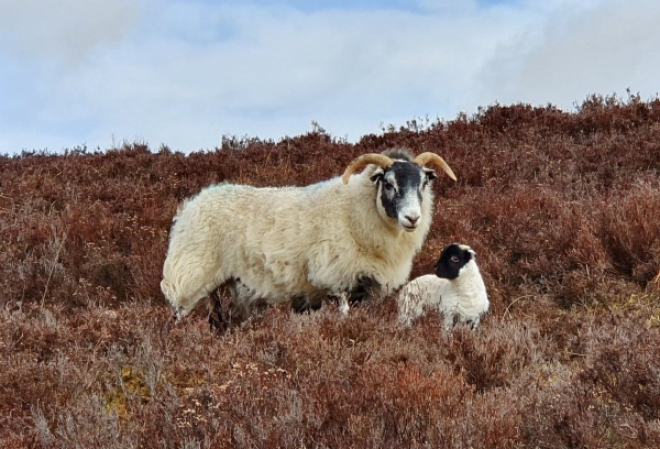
(452,260)
(401,188)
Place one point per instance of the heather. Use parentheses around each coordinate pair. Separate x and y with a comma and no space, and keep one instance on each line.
(562,208)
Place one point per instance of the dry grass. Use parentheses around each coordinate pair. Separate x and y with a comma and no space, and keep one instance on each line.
(562,208)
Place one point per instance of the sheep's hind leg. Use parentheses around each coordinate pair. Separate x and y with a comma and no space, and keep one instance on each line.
(448,322)
(217,320)
(190,274)
(229,305)
(305,304)
(183,296)
(172,295)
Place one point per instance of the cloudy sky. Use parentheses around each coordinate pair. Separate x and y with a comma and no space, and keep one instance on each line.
(183,73)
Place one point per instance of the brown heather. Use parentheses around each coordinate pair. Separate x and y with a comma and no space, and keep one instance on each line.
(562,208)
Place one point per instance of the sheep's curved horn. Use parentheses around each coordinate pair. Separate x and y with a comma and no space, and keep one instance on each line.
(433,159)
(358,164)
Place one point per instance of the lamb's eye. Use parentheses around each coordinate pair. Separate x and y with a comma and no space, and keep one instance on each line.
(454,259)
(389,187)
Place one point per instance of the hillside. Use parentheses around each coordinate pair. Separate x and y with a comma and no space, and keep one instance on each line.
(562,208)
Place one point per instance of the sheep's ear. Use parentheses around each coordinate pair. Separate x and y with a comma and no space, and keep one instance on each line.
(430,174)
(377,174)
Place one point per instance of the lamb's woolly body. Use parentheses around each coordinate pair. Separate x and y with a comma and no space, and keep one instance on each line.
(281,243)
(464,297)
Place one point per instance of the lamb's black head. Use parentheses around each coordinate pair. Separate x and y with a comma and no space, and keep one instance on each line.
(452,259)
(401,181)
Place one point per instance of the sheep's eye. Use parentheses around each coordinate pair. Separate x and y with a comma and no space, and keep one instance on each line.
(389,187)
(454,259)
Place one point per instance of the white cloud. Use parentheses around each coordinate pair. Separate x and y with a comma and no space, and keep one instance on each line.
(184,73)
(63,29)
(603,49)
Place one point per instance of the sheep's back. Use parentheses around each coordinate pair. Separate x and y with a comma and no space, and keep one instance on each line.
(262,236)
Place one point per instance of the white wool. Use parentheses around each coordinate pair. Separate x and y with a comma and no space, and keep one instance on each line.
(464,297)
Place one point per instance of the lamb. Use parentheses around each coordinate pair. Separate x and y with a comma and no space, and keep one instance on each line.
(456,289)
(277,245)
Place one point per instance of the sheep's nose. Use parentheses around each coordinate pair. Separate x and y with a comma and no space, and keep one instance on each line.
(412,220)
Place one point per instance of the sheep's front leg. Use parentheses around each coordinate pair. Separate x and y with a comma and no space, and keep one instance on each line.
(343,303)
(448,322)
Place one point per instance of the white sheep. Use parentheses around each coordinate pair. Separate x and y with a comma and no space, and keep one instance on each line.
(456,289)
(277,245)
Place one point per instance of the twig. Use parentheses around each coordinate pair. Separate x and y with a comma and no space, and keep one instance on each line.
(656,279)
(8,198)
(513,302)
(52,269)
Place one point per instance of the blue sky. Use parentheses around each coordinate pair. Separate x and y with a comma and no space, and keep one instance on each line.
(185,73)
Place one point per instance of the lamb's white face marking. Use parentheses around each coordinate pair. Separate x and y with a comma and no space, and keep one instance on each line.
(467,267)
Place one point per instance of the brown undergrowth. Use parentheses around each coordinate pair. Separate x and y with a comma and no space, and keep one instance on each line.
(563,210)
